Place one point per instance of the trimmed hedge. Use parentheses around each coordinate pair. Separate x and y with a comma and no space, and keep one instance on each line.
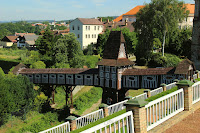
(161,94)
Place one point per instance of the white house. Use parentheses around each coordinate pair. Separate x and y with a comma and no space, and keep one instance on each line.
(86,30)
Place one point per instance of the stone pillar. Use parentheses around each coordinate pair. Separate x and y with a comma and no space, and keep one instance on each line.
(105,109)
(148,92)
(163,86)
(187,88)
(72,121)
(137,106)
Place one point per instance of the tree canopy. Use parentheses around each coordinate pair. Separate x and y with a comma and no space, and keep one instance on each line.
(156,19)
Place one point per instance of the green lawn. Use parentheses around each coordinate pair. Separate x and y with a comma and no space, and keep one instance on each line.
(134,93)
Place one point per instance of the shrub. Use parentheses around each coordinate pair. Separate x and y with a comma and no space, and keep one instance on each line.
(169,60)
(38,65)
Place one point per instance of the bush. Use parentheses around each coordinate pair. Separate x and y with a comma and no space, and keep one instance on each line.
(14,47)
(91,61)
(38,65)
(169,60)
(87,99)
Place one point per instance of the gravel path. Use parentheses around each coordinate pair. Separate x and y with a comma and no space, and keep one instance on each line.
(190,124)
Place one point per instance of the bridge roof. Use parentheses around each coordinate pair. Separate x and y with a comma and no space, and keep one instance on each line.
(60,71)
(149,71)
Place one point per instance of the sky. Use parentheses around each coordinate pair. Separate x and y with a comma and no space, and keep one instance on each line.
(14,10)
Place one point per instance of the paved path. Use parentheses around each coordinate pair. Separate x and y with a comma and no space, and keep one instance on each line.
(190,124)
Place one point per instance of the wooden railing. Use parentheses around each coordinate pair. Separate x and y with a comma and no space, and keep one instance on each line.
(87,119)
(122,123)
(164,108)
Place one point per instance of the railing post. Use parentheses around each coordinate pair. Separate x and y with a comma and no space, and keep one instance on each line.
(148,92)
(176,80)
(197,72)
(128,97)
(163,86)
(72,121)
(137,106)
(187,88)
(105,109)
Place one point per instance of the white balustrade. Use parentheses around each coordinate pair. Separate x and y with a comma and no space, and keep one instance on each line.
(62,128)
(169,86)
(194,76)
(156,91)
(116,107)
(141,96)
(87,119)
(122,123)
(164,108)
(196,92)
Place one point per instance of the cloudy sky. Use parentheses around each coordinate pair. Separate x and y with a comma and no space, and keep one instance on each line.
(65,9)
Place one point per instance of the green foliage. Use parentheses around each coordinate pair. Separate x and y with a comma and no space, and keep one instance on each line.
(14,46)
(91,61)
(2,74)
(155,19)
(99,121)
(38,65)
(39,101)
(156,43)
(87,99)
(169,60)
(11,28)
(30,57)
(16,94)
(105,19)
(89,50)
(161,94)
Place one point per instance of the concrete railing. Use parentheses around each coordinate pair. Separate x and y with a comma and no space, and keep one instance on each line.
(89,118)
(169,86)
(156,91)
(122,123)
(116,107)
(164,108)
(62,128)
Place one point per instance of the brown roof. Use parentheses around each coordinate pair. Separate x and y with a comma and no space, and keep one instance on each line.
(60,71)
(149,71)
(113,62)
(122,25)
(18,68)
(10,39)
(90,21)
(112,45)
(183,67)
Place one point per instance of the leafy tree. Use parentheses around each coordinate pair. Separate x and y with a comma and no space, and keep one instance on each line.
(67,50)
(158,19)
(89,50)
(38,65)
(16,94)
(14,47)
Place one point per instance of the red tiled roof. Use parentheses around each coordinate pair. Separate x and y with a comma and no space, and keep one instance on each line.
(89,21)
(10,38)
(183,67)
(134,11)
(149,71)
(60,71)
(113,24)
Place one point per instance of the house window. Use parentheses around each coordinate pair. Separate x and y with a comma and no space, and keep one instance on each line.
(134,20)
(95,36)
(92,35)
(88,27)
(191,19)
(85,36)
(88,35)
(78,36)
(98,27)
(95,27)
(185,19)
(78,28)
(73,27)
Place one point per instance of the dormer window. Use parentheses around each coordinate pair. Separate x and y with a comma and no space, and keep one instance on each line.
(73,27)
(78,28)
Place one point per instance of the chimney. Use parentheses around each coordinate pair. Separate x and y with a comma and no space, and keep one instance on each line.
(107,20)
(126,21)
(113,23)
(100,19)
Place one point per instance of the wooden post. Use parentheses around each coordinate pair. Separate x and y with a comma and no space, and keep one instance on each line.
(53,93)
(187,88)
(197,72)
(105,109)
(163,86)
(71,105)
(137,106)
(148,92)
(72,121)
